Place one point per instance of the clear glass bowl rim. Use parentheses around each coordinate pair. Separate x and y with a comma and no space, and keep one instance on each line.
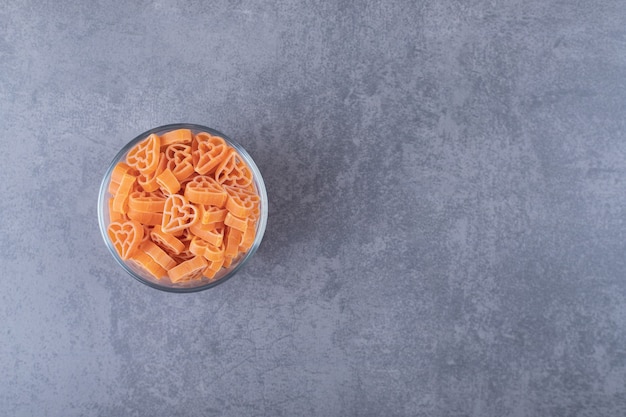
(258,179)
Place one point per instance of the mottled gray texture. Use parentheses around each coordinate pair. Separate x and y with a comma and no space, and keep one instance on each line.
(446,232)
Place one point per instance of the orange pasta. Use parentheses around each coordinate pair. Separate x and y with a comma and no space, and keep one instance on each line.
(241,203)
(147,229)
(233,171)
(206,191)
(212,214)
(159,255)
(236,222)
(176,136)
(148,264)
(207,152)
(179,160)
(182,206)
(187,269)
(215,265)
(144,157)
(149,218)
(248,236)
(198,246)
(168,182)
(167,241)
(116,176)
(121,196)
(212,233)
(125,237)
(144,201)
(214,253)
(232,239)
(178,214)
(149,182)
(115,216)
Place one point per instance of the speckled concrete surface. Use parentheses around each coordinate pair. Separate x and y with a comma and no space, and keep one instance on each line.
(446,233)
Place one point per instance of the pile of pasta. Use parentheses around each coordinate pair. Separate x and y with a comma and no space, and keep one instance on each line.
(182,205)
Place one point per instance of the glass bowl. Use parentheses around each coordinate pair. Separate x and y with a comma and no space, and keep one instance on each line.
(165,284)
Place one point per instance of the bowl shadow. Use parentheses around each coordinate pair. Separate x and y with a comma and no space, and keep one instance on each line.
(295,190)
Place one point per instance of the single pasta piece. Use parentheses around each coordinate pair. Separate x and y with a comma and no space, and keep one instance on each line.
(206,191)
(119,201)
(248,236)
(144,157)
(125,237)
(214,253)
(236,222)
(212,233)
(241,203)
(168,182)
(179,160)
(167,241)
(148,264)
(144,201)
(187,269)
(149,218)
(233,171)
(178,214)
(232,239)
(159,255)
(212,214)
(148,182)
(207,152)
(176,136)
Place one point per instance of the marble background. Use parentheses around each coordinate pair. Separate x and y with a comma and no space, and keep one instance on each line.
(446,235)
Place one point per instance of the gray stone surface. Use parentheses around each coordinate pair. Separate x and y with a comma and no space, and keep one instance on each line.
(446,232)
